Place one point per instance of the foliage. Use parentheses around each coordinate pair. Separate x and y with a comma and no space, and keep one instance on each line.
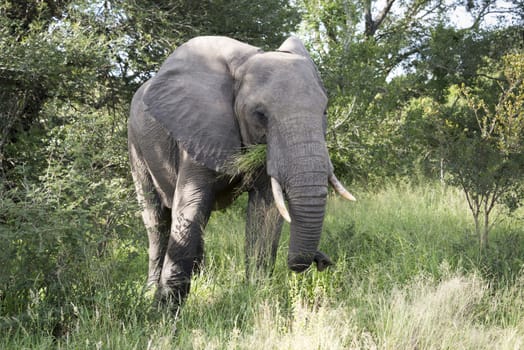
(250,160)
(53,67)
(154,28)
(58,233)
(375,57)
(479,138)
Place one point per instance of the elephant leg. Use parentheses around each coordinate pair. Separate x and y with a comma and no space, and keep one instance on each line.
(156,217)
(192,207)
(263,228)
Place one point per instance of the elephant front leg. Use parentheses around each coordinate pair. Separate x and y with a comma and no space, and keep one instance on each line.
(185,247)
(263,228)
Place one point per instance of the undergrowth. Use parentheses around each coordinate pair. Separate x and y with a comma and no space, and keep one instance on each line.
(408,274)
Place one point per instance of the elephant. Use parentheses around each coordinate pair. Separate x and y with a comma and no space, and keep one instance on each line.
(213,97)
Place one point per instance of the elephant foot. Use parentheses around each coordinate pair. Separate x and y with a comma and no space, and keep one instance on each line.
(172,297)
(150,289)
(168,300)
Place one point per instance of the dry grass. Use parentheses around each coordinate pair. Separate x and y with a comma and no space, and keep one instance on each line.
(306,328)
(425,315)
(422,315)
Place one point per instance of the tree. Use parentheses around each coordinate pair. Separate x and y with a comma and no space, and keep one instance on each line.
(153,29)
(479,134)
(487,162)
(375,57)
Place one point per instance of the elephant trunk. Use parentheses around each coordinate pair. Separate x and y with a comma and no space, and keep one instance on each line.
(303,173)
(307,207)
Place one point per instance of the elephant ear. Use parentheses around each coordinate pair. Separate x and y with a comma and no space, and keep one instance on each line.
(294,45)
(192,98)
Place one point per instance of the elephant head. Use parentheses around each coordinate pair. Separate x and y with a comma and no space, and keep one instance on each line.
(215,95)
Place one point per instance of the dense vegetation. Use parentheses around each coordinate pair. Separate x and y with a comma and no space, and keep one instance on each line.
(407,276)
(416,97)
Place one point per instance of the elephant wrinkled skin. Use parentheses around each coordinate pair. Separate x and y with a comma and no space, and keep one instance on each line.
(212,97)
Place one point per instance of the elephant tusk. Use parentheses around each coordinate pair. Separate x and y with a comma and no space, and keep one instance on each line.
(279,199)
(340,188)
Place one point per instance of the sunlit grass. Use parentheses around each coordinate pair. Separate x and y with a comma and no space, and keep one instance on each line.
(445,315)
(425,314)
(407,275)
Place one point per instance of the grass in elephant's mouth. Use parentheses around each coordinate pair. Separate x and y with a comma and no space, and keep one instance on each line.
(248,162)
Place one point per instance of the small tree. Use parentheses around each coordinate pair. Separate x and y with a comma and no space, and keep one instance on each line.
(482,142)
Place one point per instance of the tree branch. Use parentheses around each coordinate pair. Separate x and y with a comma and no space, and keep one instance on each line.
(371,24)
(483,12)
(384,13)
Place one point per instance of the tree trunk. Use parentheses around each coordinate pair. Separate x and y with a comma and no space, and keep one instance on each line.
(485,232)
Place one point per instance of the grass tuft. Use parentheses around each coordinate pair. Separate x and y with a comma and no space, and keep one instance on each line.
(248,163)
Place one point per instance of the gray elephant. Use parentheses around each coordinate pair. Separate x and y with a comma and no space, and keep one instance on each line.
(211,98)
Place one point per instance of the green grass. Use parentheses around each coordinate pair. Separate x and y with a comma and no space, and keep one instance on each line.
(249,163)
(408,275)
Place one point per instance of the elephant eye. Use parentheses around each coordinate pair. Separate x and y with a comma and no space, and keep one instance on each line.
(324,123)
(261,117)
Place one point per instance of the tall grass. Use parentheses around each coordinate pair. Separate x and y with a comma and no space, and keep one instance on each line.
(408,275)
